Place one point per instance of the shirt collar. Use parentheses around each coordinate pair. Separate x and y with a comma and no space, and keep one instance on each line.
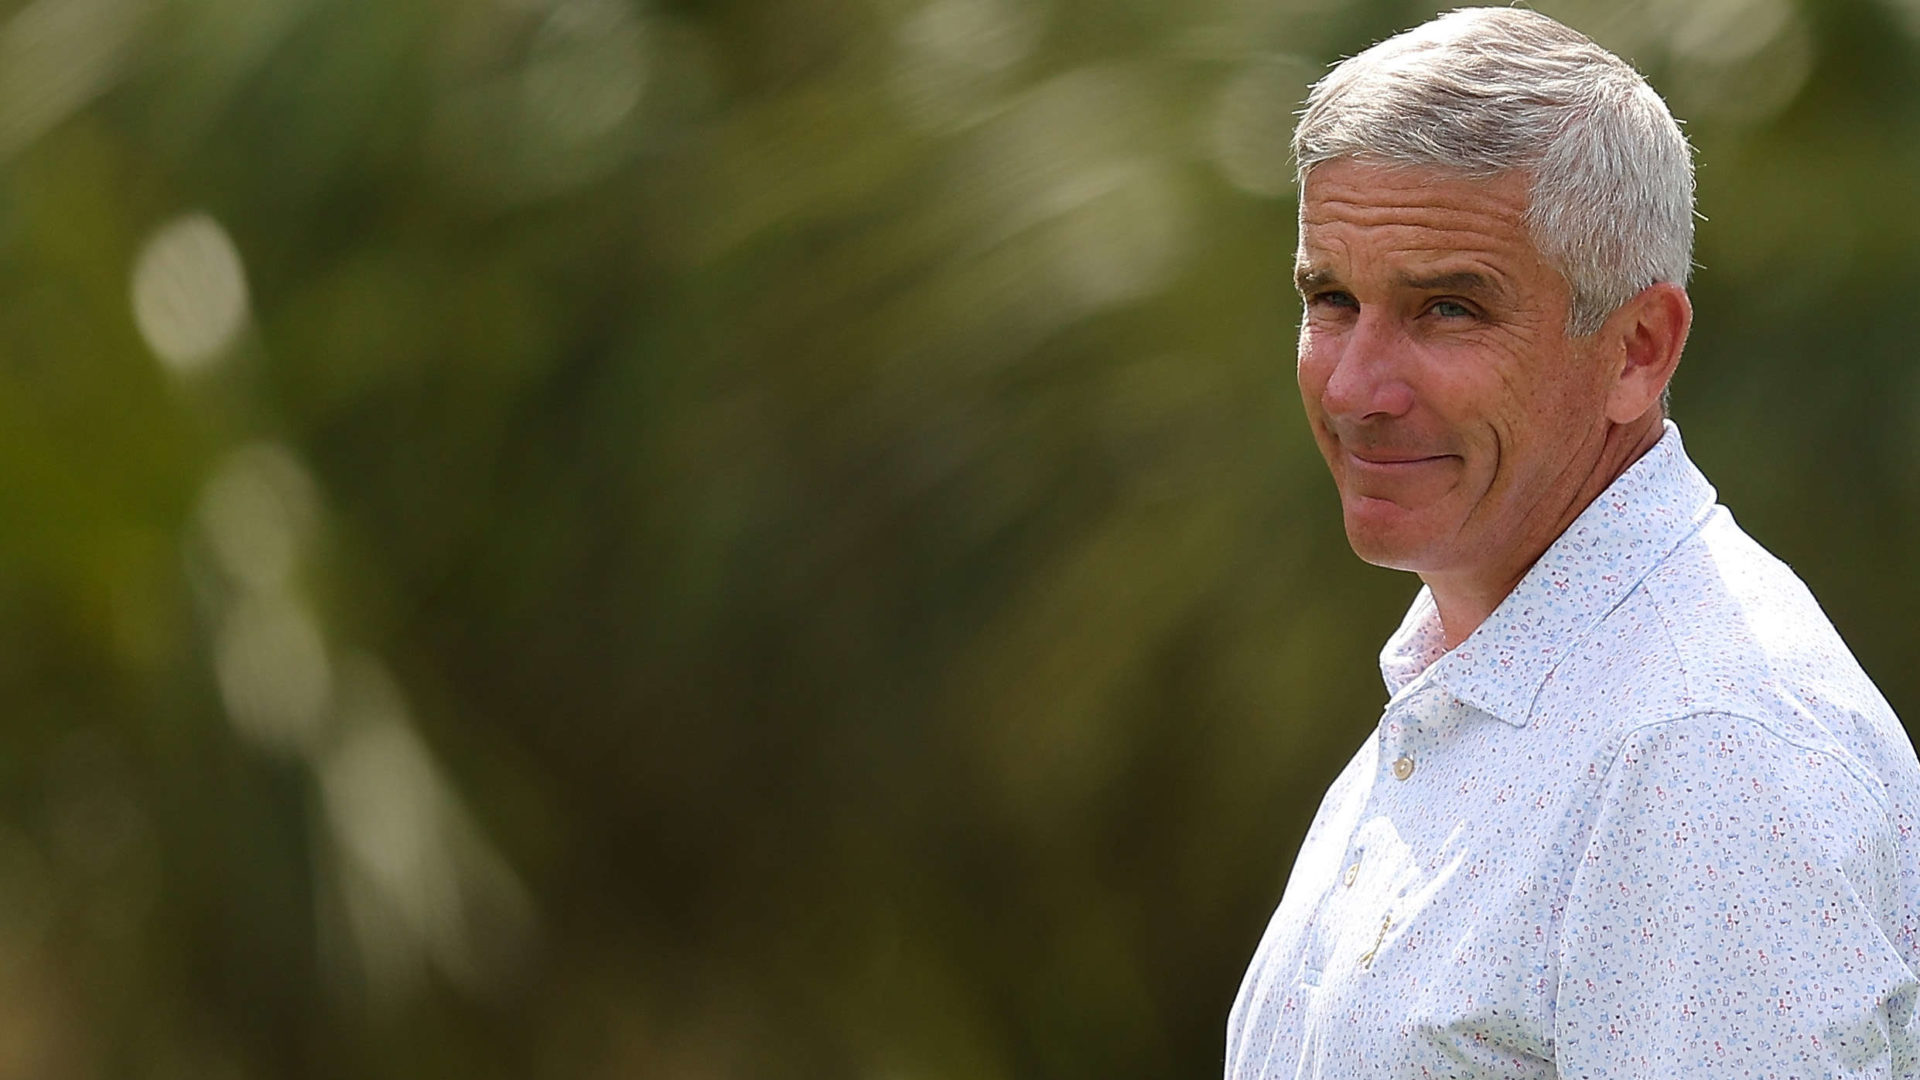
(1614,543)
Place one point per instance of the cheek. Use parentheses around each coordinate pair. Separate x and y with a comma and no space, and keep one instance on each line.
(1311,369)
(1516,402)
(1511,390)
(1568,400)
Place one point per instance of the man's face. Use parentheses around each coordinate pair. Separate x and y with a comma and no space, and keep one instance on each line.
(1458,419)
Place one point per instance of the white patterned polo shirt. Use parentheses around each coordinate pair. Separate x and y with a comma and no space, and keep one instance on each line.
(1649,820)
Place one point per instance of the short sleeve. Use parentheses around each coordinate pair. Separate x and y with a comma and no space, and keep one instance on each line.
(1727,919)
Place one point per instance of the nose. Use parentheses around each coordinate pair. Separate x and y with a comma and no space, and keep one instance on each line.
(1368,376)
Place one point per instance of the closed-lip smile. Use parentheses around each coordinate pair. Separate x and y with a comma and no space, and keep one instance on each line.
(1390,457)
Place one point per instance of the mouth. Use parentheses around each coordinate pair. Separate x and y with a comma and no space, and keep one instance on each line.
(1385,459)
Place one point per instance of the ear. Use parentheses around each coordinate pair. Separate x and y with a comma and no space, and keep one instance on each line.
(1649,331)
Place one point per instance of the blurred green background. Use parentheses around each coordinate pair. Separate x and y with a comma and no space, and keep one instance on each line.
(762,538)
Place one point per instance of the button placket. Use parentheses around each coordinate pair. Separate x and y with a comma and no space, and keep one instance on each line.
(1344,901)
(1413,729)
(1402,732)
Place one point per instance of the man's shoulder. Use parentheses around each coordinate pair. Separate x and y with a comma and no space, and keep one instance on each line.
(1746,633)
(1722,628)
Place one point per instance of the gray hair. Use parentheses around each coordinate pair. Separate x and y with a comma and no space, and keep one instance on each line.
(1485,91)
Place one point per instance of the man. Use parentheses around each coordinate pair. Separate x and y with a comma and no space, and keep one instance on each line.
(1633,810)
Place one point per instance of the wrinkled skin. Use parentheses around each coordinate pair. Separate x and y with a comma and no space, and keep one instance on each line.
(1464,429)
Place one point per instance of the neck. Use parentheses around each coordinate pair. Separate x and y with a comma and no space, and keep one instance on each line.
(1466,598)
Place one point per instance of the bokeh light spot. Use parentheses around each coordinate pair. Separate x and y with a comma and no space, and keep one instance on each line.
(952,54)
(418,878)
(256,513)
(273,671)
(55,56)
(1739,62)
(987,34)
(1723,31)
(587,71)
(189,292)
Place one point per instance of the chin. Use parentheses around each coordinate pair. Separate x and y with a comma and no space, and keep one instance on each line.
(1387,556)
(1389,539)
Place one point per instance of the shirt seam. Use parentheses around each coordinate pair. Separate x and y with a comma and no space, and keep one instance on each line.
(1848,764)
(1626,736)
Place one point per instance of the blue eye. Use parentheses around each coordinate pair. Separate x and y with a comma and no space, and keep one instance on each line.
(1451,309)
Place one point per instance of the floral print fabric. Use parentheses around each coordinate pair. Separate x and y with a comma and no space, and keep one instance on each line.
(1649,820)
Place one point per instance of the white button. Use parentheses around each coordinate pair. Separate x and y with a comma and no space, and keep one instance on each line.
(1402,768)
(1352,872)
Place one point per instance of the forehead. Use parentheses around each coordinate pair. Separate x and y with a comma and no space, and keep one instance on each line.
(1357,217)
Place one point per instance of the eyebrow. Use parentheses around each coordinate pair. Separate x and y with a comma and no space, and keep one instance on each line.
(1309,278)
(1460,281)
(1470,282)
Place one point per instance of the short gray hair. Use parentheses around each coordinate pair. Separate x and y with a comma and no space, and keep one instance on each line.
(1485,91)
